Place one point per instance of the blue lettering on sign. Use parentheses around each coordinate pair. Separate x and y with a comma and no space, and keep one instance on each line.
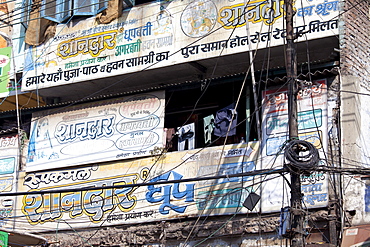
(236,168)
(309,119)
(320,9)
(275,144)
(7,165)
(228,198)
(312,199)
(88,130)
(311,188)
(163,193)
(306,120)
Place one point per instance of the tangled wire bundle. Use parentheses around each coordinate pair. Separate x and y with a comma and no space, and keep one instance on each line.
(301,155)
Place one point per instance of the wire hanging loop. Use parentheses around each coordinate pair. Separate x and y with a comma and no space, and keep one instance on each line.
(302,155)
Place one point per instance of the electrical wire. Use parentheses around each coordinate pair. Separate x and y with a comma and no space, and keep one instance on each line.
(291,154)
(70,19)
(331,178)
(129,76)
(202,96)
(236,105)
(352,6)
(302,155)
(25,6)
(217,195)
(264,181)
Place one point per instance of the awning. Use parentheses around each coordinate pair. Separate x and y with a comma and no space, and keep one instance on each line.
(17,238)
(317,72)
(357,236)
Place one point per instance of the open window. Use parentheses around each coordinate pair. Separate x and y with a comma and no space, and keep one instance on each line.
(193,112)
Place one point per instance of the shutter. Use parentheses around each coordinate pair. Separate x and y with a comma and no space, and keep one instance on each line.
(103,4)
(129,3)
(56,10)
(26,16)
(60,10)
(84,7)
(65,9)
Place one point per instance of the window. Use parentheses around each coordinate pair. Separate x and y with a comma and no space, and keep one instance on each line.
(192,105)
(42,15)
(61,10)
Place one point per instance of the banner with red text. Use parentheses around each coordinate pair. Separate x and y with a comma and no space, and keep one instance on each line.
(312,120)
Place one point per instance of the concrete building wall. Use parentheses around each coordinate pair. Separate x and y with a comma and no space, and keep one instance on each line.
(355,108)
(242,230)
(230,231)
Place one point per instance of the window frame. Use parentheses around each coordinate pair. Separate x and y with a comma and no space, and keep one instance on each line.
(94,7)
(65,9)
(181,109)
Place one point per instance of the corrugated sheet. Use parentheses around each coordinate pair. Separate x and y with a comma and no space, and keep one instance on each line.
(9,131)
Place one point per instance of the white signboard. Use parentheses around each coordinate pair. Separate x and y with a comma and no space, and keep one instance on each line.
(167,33)
(9,162)
(101,131)
(312,127)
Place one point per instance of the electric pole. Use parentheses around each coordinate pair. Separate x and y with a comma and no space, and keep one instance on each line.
(297,235)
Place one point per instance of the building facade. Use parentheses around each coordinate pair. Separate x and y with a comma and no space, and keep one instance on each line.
(164,123)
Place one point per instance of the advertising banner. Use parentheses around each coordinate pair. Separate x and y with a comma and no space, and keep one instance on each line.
(9,162)
(166,33)
(97,206)
(101,131)
(312,127)
(79,197)
(4,236)
(6,86)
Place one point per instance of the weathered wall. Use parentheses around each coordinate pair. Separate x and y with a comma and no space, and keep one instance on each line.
(226,231)
(234,231)
(355,107)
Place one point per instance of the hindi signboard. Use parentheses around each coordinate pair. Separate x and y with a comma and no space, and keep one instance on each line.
(166,33)
(312,127)
(101,131)
(136,204)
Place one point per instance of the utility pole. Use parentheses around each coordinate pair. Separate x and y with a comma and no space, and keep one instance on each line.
(297,235)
